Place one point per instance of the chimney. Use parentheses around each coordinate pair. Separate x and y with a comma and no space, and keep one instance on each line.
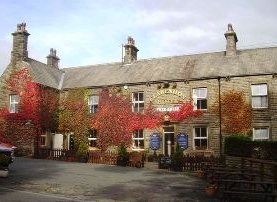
(130,51)
(231,38)
(20,42)
(53,59)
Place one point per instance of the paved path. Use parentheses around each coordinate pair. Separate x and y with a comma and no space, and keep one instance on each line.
(67,181)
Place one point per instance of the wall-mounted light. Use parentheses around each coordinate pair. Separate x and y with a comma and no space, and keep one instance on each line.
(125,87)
(186,81)
(174,85)
(148,84)
(227,78)
(159,86)
(166,84)
(274,75)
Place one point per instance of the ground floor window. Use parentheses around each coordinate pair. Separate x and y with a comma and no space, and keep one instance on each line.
(200,138)
(43,140)
(261,133)
(138,140)
(92,138)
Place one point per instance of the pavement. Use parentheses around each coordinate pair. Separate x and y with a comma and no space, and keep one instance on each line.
(48,180)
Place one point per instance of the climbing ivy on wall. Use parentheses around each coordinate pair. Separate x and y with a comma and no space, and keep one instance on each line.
(236,113)
(73,114)
(37,106)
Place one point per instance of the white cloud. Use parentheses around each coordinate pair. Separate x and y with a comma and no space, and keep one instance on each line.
(86,32)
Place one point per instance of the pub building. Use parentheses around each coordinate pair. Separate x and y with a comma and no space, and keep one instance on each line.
(165,82)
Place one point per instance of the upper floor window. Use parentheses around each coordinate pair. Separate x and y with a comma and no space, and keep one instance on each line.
(200,98)
(92,138)
(200,138)
(137,102)
(259,96)
(14,103)
(261,133)
(93,102)
(138,140)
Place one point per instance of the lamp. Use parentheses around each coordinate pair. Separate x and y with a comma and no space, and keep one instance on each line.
(166,117)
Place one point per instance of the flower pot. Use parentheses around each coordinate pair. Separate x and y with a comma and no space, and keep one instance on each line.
(210,191)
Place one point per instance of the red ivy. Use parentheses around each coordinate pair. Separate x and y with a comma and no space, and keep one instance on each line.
(115,120)
(37,104)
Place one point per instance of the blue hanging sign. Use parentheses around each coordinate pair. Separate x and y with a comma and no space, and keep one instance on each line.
(182,140)
(154,141)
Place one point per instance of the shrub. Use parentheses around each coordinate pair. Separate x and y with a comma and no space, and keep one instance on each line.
(242,146)
(238,145)
(177,159)
(122,150)
(264,150)
(82,151)
(122,155)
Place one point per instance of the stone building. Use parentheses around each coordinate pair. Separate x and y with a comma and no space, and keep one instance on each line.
(165,82)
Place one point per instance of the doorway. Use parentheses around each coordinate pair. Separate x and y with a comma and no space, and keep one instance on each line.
(168,140)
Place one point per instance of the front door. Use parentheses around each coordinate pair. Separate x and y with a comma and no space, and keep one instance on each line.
(168,140)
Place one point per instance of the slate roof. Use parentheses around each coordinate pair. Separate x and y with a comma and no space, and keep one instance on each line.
(189,67)
(44,74)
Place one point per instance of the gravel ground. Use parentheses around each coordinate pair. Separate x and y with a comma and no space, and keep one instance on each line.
(92,182)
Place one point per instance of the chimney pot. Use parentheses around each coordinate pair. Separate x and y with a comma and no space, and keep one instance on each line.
(20,43)
(53,59)
(231,40)
(130,51)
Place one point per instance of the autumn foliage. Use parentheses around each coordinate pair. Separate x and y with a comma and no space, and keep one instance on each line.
(112,121)
(74,115)
(115,122)
(37,105)
(236,113)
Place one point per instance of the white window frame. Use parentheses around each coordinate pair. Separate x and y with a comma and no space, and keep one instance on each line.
(137,101)
(93,138)
(197,97)
(261,138)
(43,139)
(14,103)
(200,138)
(134,139)
(93,102)
(259,95)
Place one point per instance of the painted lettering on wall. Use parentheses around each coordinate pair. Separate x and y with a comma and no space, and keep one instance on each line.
(156,98)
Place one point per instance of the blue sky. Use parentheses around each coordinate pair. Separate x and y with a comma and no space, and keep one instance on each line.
(86,32)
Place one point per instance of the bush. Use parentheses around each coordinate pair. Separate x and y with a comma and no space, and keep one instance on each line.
(242,146)
(177,159)
(82,151)
(122,150)
(122,155)
(238,145)
(264,150)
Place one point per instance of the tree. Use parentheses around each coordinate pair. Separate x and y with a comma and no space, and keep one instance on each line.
(74,115)
(235,112)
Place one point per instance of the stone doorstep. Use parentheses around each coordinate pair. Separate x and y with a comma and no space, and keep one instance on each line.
(151,165)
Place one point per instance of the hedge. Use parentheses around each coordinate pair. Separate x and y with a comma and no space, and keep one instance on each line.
(243,146)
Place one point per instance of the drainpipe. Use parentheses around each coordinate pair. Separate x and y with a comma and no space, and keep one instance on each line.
(219,106)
